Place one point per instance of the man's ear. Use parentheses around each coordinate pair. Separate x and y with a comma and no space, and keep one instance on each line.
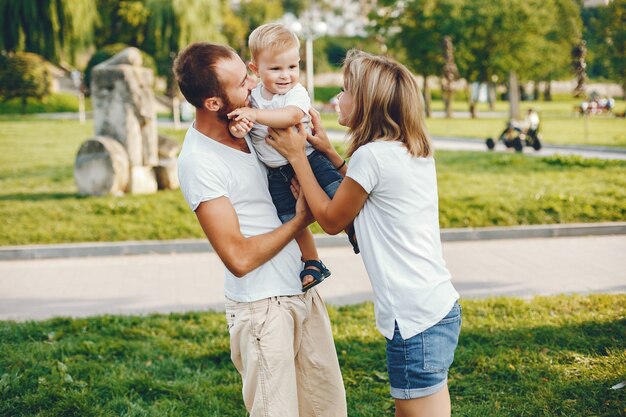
(213,103)
(253,68)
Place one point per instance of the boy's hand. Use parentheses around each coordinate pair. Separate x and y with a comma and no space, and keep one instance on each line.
(243,113)
(241,127)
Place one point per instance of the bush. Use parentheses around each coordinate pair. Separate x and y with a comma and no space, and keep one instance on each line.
(107,52)
(23,75)
(54,103)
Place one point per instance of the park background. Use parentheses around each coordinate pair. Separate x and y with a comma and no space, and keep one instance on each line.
(546,356)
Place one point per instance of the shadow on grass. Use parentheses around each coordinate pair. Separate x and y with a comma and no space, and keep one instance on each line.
(561,370)
(40,196)
(565,369)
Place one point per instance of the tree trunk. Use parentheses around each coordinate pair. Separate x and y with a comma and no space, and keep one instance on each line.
(447,100)
(547,91)
(535,90)
(427,96)
(470,100)
(24,104)
(514,93)
(491,95)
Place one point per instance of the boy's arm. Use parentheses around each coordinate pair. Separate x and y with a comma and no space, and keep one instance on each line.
(242,254)
(279,118)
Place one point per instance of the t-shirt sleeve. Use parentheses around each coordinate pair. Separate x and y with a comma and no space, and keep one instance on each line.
(363,168)
(201,180)
(299,97)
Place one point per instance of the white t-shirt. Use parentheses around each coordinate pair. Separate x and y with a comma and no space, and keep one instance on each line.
(398,234)
(208,170)
(298,97)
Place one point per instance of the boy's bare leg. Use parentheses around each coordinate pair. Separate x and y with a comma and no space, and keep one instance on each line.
(309,251)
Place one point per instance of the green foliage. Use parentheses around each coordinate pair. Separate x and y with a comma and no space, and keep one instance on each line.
(336,47)
(605,34)
(55,29)
(324,94)
(109,51)
(54,103)
(545,357)
(23,75)
(490,38)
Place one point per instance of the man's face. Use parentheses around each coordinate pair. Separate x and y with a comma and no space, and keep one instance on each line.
(236,83)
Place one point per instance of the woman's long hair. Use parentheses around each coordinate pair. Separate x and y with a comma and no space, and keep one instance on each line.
(387,103)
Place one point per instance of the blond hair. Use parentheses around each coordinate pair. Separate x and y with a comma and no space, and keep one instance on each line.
(272,37)
(388,103)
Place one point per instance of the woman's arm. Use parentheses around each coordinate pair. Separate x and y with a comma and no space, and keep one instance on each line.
(332,215)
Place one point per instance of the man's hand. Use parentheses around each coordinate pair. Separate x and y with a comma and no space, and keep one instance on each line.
(303,211)
(242,113)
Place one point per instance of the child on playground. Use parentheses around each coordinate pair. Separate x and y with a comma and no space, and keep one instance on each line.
(279,101)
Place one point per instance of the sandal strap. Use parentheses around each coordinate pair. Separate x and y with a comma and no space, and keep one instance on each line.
(317,275)
(319,265)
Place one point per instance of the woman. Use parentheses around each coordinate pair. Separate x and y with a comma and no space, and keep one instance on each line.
(390,192)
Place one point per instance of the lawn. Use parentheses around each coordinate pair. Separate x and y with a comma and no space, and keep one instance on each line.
(549,356)
(39,204)
(559,126)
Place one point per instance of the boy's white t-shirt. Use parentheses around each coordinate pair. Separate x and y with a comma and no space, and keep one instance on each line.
(398,234)
(297,96)
(208,170)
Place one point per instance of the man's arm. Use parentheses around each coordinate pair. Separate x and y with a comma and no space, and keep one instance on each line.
(281,118)
(238,253)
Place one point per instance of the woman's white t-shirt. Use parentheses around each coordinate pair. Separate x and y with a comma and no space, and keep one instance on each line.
(398,234)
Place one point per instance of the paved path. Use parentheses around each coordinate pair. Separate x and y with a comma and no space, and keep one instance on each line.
(39,289)
(467,144)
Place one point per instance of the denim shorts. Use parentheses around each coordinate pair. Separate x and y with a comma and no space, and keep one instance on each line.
(280,183)
(418,366)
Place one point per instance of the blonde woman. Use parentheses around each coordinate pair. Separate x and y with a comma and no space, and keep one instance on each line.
(390,192)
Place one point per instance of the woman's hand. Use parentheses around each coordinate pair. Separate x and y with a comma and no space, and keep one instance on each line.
(319,139)
(289,142)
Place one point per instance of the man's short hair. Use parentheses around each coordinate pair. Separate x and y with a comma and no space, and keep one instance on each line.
(194,69)
(272,37)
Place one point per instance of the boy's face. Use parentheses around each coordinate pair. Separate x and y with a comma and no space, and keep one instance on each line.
(279,71)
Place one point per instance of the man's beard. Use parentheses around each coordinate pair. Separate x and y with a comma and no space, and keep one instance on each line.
(226,108)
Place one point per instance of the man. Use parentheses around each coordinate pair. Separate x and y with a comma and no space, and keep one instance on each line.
(280,339)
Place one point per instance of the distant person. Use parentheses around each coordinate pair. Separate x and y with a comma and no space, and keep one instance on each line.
(390,192)
(531,124)
(280,101)
(280,338)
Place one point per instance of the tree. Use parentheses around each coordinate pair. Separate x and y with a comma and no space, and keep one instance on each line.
(23,75)
(614,30)
(55,29)
(564,32)
(414,31)
(450,73)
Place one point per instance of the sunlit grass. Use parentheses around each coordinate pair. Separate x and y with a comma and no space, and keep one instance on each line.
(545,357)
(39,202)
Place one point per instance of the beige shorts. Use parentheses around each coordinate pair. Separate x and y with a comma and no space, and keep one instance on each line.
(283,348)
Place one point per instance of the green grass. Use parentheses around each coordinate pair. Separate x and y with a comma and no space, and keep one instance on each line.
(39,202)
(550,356)
(54,103)
(559,126)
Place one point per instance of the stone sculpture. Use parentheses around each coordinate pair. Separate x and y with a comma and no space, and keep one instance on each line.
(124,112)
